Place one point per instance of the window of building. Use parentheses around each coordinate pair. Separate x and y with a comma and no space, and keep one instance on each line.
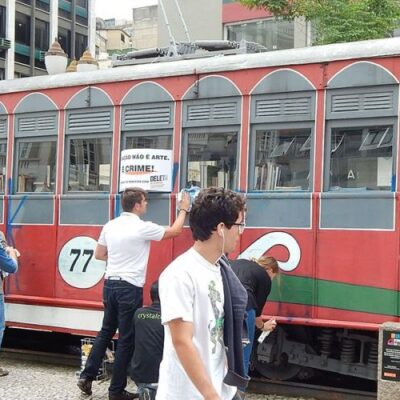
(82,3)
(43,4)
(282,159)
(22,29)
(64,9)
(212,159)
(81,43)
(361,158)
(2,22)
(273,34)
(36,165)
(64,38)
(41,41)
(122,38)
(25,1)
(2,74)
(89,164)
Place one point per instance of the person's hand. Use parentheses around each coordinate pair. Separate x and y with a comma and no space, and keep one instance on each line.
(12,252)
(184,204)
(269,325)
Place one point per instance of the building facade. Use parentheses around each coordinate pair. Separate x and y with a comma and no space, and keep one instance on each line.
(261,27)
(28,27)
(145,27)
(224,19)
(202,18)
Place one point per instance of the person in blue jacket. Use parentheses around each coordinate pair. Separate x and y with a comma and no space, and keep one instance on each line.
(8,264)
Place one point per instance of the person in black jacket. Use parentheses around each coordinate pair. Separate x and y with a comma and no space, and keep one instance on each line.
(149,344)
(256,276)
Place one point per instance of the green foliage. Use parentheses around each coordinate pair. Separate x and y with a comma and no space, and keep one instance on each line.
(338,20)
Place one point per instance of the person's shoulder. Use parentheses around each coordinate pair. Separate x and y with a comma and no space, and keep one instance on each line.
(139,310)
(242,263)
(178,266)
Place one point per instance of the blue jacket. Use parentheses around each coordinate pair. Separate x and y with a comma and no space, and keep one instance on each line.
(7,264)
(235,303)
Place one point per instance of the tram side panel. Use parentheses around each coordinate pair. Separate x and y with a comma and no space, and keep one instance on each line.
(357,276)
(31,229)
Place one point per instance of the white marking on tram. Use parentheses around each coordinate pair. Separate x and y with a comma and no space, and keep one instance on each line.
(269,240)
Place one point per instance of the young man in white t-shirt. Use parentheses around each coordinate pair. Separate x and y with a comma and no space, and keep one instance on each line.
(124,243)
(192,302)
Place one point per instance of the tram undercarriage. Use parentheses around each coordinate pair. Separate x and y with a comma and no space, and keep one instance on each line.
(296,352)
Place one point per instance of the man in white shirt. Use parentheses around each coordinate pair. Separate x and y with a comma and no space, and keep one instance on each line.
(191,289)
(124,243)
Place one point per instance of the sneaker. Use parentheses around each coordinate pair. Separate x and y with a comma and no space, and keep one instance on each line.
(85,385)
(123,396)
(145,395)
(3,372)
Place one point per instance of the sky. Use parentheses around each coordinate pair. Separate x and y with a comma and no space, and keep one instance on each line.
(120,9)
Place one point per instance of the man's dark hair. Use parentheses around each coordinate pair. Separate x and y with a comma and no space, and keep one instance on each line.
(211,207)
(132,196)
(155,298)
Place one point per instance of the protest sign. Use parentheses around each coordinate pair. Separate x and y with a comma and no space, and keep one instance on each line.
(149,169)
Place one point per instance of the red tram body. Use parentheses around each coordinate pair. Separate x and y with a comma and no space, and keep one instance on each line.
(310,135)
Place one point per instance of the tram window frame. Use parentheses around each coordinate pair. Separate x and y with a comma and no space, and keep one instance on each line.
(144,133)
(67,164)
(279,127)
(228,129)
(28,139)
(3,141)
(364,124)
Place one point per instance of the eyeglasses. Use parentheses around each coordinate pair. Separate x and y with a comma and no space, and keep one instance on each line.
(241,226)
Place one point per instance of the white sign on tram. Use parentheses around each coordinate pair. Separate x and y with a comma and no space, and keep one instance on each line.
(149,169)
(77,265)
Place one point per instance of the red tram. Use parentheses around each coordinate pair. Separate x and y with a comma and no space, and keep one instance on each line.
(310,135)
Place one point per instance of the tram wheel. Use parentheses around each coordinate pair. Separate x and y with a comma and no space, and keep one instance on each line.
(280,372)
(273,363)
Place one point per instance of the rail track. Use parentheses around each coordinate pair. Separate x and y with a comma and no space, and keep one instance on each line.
(295,389)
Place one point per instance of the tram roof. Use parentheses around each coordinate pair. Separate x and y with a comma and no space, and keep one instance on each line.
(214,64)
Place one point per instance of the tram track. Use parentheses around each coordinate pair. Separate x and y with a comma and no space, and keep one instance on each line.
(296,389)
(50,358)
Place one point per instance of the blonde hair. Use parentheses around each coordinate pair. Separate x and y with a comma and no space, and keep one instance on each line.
(267,262)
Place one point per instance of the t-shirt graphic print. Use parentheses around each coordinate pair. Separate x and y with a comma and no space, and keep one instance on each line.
(216,327)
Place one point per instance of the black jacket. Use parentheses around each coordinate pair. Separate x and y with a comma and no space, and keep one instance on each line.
(235,302)
(255,280)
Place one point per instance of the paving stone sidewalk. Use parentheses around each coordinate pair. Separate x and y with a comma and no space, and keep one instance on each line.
(37,381)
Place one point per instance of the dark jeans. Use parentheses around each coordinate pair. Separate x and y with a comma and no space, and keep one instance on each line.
(121,300)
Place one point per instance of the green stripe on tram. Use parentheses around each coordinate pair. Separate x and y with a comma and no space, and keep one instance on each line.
(322,293)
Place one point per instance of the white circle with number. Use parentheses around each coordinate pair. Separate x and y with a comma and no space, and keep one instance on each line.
(77,264)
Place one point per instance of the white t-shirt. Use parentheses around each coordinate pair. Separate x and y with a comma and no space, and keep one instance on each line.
(191,289)
(127,239)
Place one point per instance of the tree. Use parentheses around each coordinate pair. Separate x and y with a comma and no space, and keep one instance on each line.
(338,20)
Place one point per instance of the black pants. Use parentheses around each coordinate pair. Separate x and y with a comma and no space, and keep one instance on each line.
(121,299)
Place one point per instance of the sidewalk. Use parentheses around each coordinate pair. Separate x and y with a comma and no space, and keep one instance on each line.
(37,381)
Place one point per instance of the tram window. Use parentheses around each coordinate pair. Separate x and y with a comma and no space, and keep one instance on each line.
(282,159)
(3,159)
(89,165)
(361,158)
(212,159)
(163,142)
(36,166)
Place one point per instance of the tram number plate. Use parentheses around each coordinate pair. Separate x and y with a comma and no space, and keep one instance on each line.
(391,355)
(77,265)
